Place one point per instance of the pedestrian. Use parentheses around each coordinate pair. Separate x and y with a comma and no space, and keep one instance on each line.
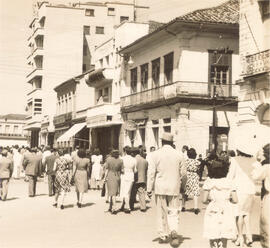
(263,173)
(164,177)
(201,166)
(184,177)
(46,153)
(127,178)
(140,182)
(114,168)
(48,168)
(192,184)
(62,179)
(32,166)
(96,159)
(17,159)
(245,189)
(6,169)
(219,222)
(81,175)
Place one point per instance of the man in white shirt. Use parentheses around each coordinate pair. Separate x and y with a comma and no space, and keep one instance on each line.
(164,177)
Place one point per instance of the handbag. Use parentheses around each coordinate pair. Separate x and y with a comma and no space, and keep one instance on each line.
(103,191)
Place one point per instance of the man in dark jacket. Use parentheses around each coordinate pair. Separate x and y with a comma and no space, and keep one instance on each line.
(48,165)
(32,165)
(6,169)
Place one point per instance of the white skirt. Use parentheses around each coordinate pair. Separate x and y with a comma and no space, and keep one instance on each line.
(125,188)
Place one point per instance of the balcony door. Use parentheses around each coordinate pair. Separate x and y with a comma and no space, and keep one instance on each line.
(220,72)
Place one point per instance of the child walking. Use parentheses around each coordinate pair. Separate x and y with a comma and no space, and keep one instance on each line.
(219,221)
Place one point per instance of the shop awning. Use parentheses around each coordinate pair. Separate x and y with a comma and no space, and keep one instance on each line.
(71,132)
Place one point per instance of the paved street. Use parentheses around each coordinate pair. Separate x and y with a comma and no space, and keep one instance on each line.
(33,222)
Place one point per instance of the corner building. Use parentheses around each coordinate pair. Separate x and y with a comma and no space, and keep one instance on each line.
(176,69)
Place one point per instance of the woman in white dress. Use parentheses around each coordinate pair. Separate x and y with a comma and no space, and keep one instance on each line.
(219,220)
(17,160)
(127,178)
(96,160)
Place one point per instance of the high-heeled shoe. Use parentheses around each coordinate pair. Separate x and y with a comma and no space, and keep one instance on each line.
(79,205)
(239,241)
(55,205)
(62,207)
(249,240)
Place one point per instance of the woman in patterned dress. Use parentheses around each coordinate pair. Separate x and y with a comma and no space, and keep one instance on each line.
(62,176)
(192,184)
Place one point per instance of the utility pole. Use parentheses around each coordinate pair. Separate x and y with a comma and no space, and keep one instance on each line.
(214,132)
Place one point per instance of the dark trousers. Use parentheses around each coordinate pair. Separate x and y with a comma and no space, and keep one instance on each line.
(32,185)
(4,188)
(51,179)
(140,188)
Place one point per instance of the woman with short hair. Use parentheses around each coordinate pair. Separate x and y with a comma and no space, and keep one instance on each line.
(81,175)
(96,160)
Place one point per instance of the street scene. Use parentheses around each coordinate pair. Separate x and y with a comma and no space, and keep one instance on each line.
(135,123)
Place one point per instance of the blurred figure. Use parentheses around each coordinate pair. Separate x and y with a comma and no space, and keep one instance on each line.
(96,159)
(81,175)
(46,153)
(32,164)
(6,169)
(263,173)
(17,160)
(62,179)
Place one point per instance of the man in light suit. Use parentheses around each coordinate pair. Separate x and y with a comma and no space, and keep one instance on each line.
(6,169)
(164,177)
(32,165)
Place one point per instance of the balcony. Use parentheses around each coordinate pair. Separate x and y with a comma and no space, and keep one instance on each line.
(16,136)
(38,52)
(61,119)
(37,72)
(189,92)
(106,114)
(257,63)
(33,122)
(34,94)
(100,77)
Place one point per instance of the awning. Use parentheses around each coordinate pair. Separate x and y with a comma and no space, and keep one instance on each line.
(71,132)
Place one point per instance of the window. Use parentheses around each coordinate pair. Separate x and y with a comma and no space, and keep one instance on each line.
(85,50)
(99,30)
(7,128)
(86,30)
(106,94)
(101,63)
(133,80)
(144,77)
(38,84)
(16,129)
(107,60)
(123,18)
(90,12)
(156,135)
(142,133)
(84,68)
(167,129)
(111,11)
(155,72)
(168,68)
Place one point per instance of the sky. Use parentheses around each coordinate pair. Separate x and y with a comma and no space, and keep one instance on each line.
(15,17)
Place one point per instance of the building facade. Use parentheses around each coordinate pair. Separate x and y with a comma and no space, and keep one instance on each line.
(11,130)
(60,49)
(180,74)
(104,117)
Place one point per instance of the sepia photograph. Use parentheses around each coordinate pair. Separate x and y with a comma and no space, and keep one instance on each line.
(134,123)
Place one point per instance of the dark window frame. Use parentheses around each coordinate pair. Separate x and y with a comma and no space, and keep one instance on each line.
(100,30)
(144,76)
(168,68)
(90,11)
(133,80)
(86,30)
(124,18)
(155,72)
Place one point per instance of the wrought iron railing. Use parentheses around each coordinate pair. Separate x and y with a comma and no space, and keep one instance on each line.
(257,63)
(179,89)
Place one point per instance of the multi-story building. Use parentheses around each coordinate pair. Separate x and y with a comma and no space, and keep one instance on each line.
(11,130)
(61,44)
(73,99)
(183,81)
(104,117)
(254,97)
